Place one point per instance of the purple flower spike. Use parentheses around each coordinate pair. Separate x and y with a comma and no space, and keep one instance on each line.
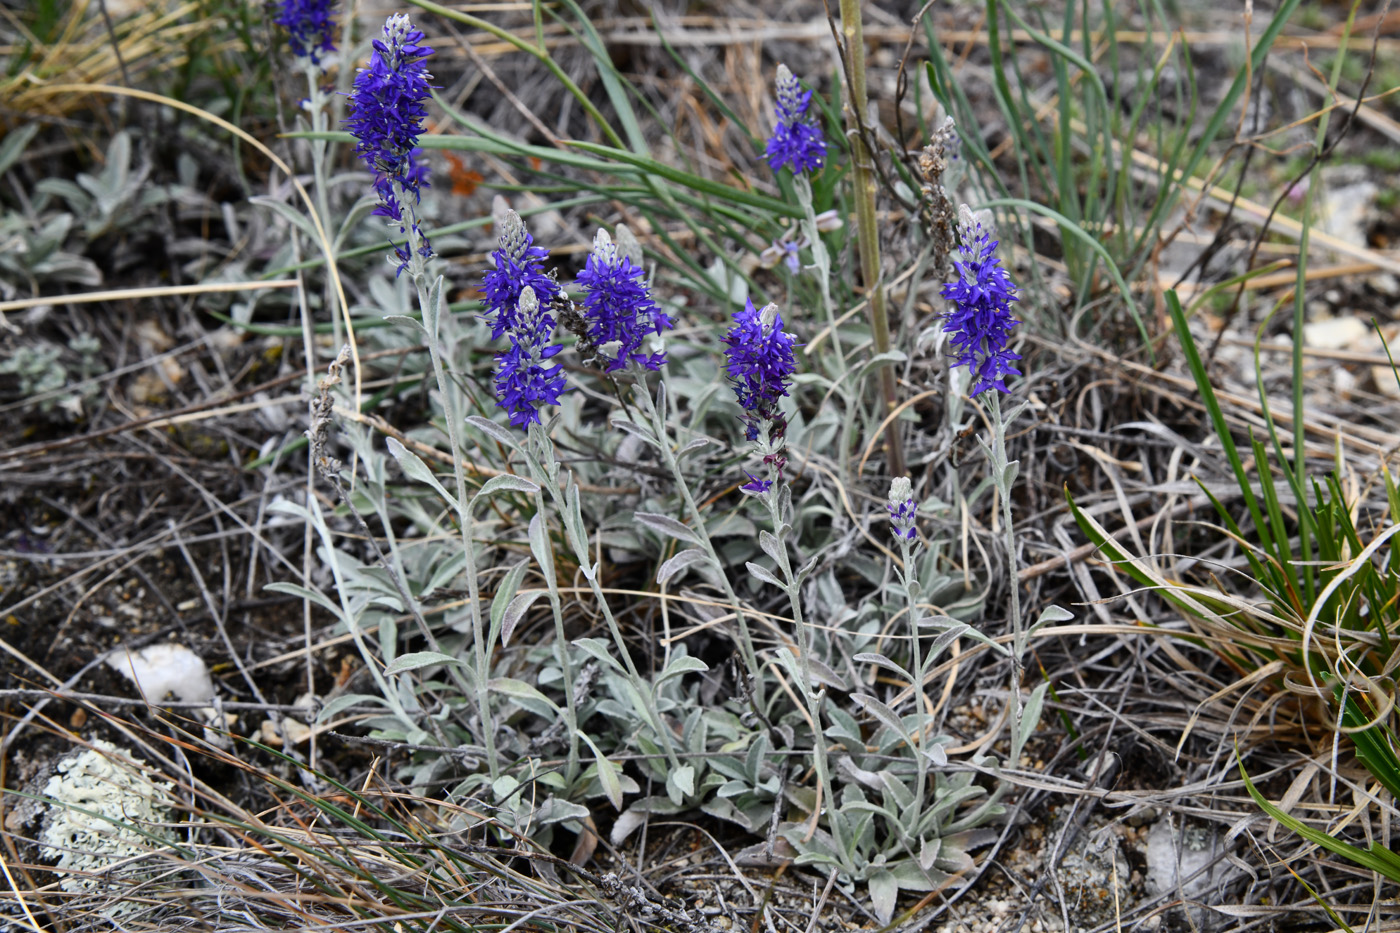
(797,140)
(619,308)
(517,264)
(524,382)
(309,24)
(902,509)
(759,364)
(979,324)
(386,114)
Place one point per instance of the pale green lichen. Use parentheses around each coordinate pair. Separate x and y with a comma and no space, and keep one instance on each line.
(96,799)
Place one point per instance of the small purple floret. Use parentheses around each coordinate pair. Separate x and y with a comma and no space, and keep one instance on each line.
(525,382)
(797,141)
(759,362)
(309,24)
(517,263)
(386,112)
(619,307)
(756,484)
(979,323)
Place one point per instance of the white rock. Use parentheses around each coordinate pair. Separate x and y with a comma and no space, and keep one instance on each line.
(294,730)
(1337,333)
(1347,202)
(161,670)
(1172,858)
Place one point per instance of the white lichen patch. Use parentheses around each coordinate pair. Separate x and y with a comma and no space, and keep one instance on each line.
(96,799)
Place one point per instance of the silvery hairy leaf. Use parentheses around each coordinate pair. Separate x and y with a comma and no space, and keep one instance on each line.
(346,701)
(432,310)
(541,549)
(948,624)
(506,482)
(887,716)
(666,525)
(572,518)
(869,657)
(695,444)
(607,772)
(1049,615)
(636,430)
(493,430)
(599,649)
(680,783)
(516,611)
(789,661)
(296,589)
(771,546)
(883,891)
(1009,474)
(556,810)
(1030,718)
(679,562)
(290,214)
(824,674)
(682,665)
(419,659)
(415,469)
(765,575)
(519,690)
(405,320)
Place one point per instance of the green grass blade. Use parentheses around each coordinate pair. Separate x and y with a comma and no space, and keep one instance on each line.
(1377,858)
(693,182)
(1217,418)
(1224,110)
(1375,743)
(1093,243)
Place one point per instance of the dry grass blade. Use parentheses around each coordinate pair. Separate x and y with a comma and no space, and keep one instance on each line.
(134,294)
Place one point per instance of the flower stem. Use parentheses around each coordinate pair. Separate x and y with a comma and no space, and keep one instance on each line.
(464,515)
(910,576)
(546,559)
(539,449)
(1002,478)
(821,261)
(746,648)
(805,639)
(317,101)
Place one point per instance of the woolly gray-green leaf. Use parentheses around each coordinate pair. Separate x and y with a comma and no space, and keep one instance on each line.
(415,469)
(765,575)
(666,525)
(678,562)
(516,611)
(506,482)
(494,431)
(415,660)
(682,665)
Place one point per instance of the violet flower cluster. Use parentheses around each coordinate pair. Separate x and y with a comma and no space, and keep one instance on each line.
(979,323)
(797,140)
(516,264)
(525,381)
(386,113)
(759,362)
(519,295)
(309,24)
(618,307)
(902,509)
